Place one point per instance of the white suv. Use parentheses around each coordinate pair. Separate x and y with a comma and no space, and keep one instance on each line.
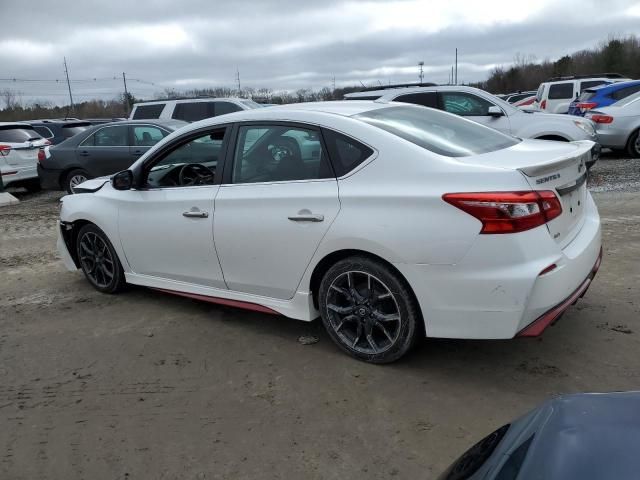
(19,148)
(489,110)
(555,95)
(190,110)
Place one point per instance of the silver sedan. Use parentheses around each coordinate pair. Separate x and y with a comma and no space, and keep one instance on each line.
(618,125)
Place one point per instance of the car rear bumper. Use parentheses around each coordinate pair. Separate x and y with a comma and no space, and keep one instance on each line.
(16,174)
(49,178)
(612,137)
(499,288)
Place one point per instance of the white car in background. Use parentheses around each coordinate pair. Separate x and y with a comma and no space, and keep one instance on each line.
(389,221)
(19,147)
(489,110)
(190,110)
(556,94)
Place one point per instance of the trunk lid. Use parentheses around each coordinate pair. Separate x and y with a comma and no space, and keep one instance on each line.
(548,165)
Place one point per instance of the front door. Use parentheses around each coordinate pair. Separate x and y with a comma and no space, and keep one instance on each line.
(274,207)
(106,151)
(166,228)
(474,108)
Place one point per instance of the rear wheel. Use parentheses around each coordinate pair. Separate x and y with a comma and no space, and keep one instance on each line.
(75,178)
(368,310)
(98,260)
(633,147)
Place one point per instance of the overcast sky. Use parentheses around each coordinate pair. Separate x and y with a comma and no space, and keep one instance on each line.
(285,44)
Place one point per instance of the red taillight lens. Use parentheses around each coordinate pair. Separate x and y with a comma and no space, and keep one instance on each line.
(41,155)
(4,150)
(601,118)
(586,105)
(508,212)
(543,105)
(526,102)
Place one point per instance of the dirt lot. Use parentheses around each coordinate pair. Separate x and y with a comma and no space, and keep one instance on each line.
(145,385)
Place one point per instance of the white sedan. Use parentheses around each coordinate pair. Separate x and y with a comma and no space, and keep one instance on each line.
(389,221)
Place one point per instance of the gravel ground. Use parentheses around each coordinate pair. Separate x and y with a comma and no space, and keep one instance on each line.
(145,385)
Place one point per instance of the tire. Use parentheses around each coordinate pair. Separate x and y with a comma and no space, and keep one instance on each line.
(98,260)
(376,319)
(74,177)
(633,146)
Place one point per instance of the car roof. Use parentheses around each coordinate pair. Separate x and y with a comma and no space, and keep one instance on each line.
(395,91)
(150,121)
(15,124)
(48,121)
(614,86)
(190,100)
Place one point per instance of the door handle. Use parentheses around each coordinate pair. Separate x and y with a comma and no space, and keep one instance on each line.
(306,217)
(84,153)
(195,213)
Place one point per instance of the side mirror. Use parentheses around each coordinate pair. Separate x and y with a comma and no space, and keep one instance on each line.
(122,180)
(494,111)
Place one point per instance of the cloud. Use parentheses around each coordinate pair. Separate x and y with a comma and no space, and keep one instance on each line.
(286,44)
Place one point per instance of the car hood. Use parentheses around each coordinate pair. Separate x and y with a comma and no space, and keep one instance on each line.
(92,185)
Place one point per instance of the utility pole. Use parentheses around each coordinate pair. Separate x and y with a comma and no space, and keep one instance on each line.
(451,81)
(421,64)
(126,94)
(334,83)
(456,79)
(238,80)
(66,72)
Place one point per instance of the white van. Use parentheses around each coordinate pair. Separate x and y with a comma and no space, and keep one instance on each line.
(555,95)
(190,110)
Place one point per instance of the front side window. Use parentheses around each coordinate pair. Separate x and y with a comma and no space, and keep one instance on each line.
(279,153)
(146,135)
(193,163)
(148,112)
(426,99)
(465,104)
(437,131)
(559,91)
(116,136)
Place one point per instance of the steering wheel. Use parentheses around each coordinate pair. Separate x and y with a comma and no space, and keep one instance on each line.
(194,174)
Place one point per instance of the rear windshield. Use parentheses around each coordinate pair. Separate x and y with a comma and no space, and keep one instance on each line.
(438,132)
(586,95)
(539,93)
(69,131)
(15,134)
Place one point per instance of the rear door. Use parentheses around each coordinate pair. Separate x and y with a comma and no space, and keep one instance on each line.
(106,151)
(276,203)
(474,108)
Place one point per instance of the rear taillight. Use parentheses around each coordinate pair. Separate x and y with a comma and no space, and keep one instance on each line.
(601,118)
(4,150)
(526,102)
(543,105)
(508,212)
(586,105)
(41,156)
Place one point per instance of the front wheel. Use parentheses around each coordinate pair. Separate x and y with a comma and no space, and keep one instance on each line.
(368,310)
(98,260)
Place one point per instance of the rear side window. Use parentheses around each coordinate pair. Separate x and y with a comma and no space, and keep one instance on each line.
(539,93)
(437,131)
(465,104)
(346,153)
(17,134)
(559,91)
(44,132)
(148,111)
(194,111)
(426,99)
(625,92)
(226,107)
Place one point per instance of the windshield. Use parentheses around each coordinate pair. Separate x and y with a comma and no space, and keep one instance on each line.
(438,132)
(539,93)
(70,130)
